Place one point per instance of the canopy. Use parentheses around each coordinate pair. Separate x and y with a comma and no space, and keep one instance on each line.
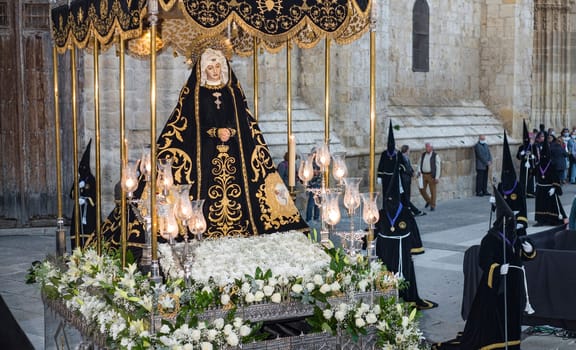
(274,22)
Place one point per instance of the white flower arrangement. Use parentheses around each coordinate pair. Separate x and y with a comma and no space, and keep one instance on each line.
(274,268)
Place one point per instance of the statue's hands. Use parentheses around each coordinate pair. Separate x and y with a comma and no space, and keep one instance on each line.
(224,134)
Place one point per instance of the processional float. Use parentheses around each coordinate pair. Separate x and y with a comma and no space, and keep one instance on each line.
(135,26)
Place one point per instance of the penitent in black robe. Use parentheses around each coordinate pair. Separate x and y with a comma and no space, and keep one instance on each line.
(394,241)
(548,208)
(485,325)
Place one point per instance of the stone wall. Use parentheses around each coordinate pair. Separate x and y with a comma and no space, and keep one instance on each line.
(471,64)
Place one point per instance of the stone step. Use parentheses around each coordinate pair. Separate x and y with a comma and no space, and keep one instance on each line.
(307,128)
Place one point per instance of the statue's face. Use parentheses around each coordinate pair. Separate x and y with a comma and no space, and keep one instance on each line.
(213,71)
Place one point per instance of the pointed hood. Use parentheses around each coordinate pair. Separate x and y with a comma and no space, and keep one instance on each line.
(525,134)
(508,175)
(84,164)
(391,142)
(504,215)
(392,196)
(509,188)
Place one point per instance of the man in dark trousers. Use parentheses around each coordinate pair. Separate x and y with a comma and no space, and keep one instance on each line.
(483,163)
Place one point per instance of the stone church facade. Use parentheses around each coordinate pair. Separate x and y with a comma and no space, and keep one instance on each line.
(446,71)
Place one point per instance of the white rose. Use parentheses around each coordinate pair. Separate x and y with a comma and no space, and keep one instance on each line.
(310,286)
(371,318)
(206,289)
(297,288)
(211,334)
(318,280)
(187,346)
(224,299)
(339,315)
(360,322)
(232,339)
(362,285)
(206,346)
(219,323)
(246,288)
(376,309)
(164,329)
(195,335)
(325,289)
(258,296)
(335,286)
(227,329)
(238,322)
(276,298)
(327,314)
(260,284)
(249,298)
(272,282)
(268,290)
(245,330)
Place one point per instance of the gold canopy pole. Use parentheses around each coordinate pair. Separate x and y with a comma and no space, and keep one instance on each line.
(372,165)
(153,10)
(123,150)
(289,110)
(75,147)
(97,134)
(60,233)
(327,102)
(255,73)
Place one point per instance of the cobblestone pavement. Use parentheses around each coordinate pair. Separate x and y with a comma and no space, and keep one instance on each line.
(446,233)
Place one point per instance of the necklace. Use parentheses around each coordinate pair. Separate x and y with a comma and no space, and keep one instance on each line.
(393,220)
(508,192)
(511,244)
(543,171)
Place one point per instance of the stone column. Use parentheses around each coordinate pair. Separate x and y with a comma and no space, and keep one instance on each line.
(506,60)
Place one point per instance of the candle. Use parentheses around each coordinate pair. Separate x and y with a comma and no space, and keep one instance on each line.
(291,161)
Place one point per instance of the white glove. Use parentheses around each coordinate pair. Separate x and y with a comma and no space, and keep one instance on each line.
(82,184)
(527,247)
(519,226)
(492,199)
(81,201)
(379,181)
(522,153)
(551,191)
(504,269)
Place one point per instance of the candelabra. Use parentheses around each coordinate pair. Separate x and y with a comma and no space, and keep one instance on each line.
(370,215)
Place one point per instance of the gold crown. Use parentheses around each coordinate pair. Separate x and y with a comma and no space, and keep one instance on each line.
(200,44)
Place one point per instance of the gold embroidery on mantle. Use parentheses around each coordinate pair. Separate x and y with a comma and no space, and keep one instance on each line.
(260,160)
(276,204)
(225,212)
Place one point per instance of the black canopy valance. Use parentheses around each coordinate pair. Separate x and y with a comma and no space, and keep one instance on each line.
(274,22)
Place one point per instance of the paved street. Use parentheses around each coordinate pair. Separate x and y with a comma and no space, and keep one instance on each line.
(446,234)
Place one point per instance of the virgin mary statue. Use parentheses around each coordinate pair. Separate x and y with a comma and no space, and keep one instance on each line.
(217,147)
